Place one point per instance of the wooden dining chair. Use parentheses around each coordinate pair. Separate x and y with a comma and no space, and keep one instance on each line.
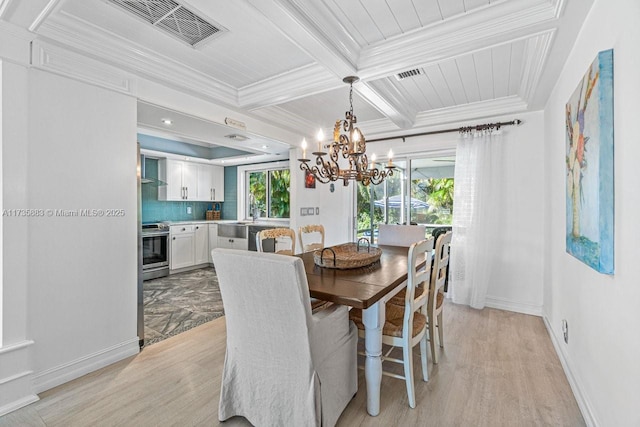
(281,236)
(286,236)
(405,326)
(435,302)
(400,235)
(313,235)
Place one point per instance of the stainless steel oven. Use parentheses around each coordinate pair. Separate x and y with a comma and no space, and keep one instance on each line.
(155,250)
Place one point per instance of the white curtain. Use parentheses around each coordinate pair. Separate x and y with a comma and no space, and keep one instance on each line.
(477,213)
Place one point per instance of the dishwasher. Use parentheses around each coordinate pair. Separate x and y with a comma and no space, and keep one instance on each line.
(268,245)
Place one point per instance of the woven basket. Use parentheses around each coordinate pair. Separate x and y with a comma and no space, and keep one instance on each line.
(347,256)
(212,215)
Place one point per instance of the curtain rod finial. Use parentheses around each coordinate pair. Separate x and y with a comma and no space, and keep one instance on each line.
(517,122)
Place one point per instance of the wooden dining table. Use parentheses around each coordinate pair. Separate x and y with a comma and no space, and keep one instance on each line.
(367,288)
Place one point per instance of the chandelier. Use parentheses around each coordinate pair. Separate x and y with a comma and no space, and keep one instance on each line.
(352,146)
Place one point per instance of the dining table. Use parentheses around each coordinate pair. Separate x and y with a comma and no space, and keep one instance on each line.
(367,288)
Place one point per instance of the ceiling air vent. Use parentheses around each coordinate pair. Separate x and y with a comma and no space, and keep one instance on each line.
(173,18)
(410,73)
(236,137)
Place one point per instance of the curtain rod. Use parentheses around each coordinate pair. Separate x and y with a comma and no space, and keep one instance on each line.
(487,126)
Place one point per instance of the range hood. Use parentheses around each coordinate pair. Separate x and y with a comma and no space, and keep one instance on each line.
(143,174)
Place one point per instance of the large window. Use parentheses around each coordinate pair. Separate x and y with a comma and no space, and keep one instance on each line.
(420,192)
(267,193)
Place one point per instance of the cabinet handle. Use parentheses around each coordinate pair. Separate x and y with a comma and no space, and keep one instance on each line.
(214,193)
(211,193)
(174,238)
(197,228)
(184,229)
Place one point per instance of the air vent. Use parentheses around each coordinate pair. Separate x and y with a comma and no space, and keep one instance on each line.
(410,73)
(173,18)
(236,137)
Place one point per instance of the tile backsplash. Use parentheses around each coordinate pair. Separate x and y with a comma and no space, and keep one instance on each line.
(154,210)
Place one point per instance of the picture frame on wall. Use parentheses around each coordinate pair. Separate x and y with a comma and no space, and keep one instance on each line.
(309,180)
(589,167)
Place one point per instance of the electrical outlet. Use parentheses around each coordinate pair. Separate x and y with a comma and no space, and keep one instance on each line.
(188,210)
(565,330)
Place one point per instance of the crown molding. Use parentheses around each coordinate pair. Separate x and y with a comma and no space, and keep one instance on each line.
(536,53)
(386,99)
(493,25)
(288,121)
(122,53)
(298,83)
(44,13)
(4,5)
(302,31)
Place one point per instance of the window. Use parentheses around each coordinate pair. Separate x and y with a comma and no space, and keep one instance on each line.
(420,192)
(267,193)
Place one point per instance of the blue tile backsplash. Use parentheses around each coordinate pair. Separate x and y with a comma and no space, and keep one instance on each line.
(230,205)
(154,210)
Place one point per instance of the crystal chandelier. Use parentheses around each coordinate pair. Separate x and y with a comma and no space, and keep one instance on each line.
(352,146)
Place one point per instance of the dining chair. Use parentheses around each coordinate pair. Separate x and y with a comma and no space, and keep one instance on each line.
(405,326)
(436,232)
(286,236)
(284,365)
(281,236)
(400,235)
(314,236)
(435,302)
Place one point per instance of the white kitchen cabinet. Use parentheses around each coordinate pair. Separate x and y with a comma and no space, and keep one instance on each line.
(218,183)
(182,246)
(233,243)
(201,243)
(213,239)
(190,181)
(210,183)
(181,178)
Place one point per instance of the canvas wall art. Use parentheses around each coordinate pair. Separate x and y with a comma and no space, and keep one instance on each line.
(589,165)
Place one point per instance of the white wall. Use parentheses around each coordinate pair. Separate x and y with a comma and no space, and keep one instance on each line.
(82,277)
(602,356)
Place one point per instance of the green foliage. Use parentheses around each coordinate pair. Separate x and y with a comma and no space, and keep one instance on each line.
(278,201)
(280,180)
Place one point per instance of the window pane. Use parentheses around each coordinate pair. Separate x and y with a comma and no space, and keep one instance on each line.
(369,214)
(279,193)
(432,182)
(257,194)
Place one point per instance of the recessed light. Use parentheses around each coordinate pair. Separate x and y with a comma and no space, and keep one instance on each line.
(264,147)
(167,121)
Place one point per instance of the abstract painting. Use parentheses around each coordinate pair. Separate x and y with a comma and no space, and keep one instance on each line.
(589,166)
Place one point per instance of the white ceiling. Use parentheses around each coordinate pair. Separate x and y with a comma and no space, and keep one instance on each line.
(283,61)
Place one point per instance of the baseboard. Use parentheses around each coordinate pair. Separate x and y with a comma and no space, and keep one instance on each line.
(16,378)
(17,404)
(518,307)
(69,371)
(583,403)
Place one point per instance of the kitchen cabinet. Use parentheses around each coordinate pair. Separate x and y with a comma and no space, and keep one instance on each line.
(181,178)
(190,181)
(210,183)
(213,239)
(218,183)
(201,244)
(232,243)
(182,246)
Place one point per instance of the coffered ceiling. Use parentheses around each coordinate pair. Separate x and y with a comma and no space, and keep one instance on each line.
(283,61)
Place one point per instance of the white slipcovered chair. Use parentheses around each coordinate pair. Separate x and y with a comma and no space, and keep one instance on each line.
(400,235)
(284,366)
(311,237)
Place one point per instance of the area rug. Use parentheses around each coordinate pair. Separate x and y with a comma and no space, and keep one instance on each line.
(180,302)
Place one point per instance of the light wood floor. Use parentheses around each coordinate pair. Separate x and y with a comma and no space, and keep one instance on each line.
(497,369)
